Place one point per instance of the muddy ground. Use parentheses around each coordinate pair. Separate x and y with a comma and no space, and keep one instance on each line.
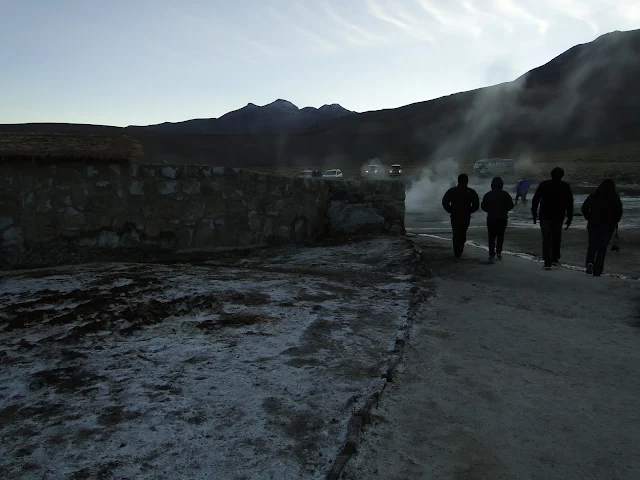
(231,366)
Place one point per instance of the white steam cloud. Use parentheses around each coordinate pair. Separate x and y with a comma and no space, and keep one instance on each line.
(425,194)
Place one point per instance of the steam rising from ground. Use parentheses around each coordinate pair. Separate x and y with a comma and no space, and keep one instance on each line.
(425,194)
(526,166)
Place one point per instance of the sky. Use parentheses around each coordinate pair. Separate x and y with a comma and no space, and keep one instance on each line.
(139,62)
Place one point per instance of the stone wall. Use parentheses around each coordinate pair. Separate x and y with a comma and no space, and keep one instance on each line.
(172,206)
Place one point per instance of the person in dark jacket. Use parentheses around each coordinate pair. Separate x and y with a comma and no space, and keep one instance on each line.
(602,210)
(460,202)
(497,203)
(555,199)
(522,188)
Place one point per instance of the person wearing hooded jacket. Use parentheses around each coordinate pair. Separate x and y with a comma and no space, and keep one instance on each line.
(603,211)
(555,199)
(497,203)
(460,202)
(522,188)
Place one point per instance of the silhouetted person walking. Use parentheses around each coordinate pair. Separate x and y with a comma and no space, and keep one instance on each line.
(497,203)
(555,199)
(602,210)
(460,202)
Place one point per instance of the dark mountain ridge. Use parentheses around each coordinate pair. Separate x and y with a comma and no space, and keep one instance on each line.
(276,117)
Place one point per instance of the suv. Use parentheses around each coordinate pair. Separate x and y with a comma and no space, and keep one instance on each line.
(372,170)
(333,173)
(395,170)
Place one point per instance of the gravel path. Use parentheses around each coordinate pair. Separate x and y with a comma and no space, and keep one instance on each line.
(512,372)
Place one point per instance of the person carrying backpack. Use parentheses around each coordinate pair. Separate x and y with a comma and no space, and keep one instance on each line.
(497,203)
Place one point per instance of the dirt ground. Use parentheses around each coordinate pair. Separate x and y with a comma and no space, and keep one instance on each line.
(231,366)
(512,372)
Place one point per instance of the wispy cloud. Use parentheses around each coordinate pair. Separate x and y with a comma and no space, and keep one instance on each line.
(364,37)
(574,9)
(398,18)
(465,24)
(321,43)
(377,11)
(514,10)
(486,16)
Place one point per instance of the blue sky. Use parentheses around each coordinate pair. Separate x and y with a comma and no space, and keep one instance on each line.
(147,61)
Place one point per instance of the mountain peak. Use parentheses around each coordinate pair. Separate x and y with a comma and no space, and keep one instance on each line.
(333,106)
(280,103)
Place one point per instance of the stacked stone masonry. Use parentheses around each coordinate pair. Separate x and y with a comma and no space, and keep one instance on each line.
(174,206)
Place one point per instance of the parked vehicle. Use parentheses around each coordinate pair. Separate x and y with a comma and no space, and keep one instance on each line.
(395,170)
(309,173)
(491,167)
(372,170)
(333,173)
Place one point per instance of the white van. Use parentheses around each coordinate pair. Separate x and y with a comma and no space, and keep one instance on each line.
(333,173)
(494,167)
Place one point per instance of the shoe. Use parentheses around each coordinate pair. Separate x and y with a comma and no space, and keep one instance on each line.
(547,267)
(499,256)
(490,259)
(589,269)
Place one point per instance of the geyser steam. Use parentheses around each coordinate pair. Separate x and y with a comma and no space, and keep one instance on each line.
(425,195)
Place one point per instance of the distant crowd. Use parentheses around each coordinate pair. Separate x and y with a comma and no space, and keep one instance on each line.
(552,203)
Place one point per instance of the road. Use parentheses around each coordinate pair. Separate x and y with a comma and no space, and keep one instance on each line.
(512,372)
(524,237)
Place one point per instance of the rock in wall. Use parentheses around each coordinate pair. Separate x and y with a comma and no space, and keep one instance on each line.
(385,196)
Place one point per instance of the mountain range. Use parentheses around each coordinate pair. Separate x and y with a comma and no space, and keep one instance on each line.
(587,96)
(276,117)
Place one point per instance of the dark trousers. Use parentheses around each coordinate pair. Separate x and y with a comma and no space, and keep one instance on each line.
(599,238)
(459,227)
(496,230)
(523,196)
(551,240)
